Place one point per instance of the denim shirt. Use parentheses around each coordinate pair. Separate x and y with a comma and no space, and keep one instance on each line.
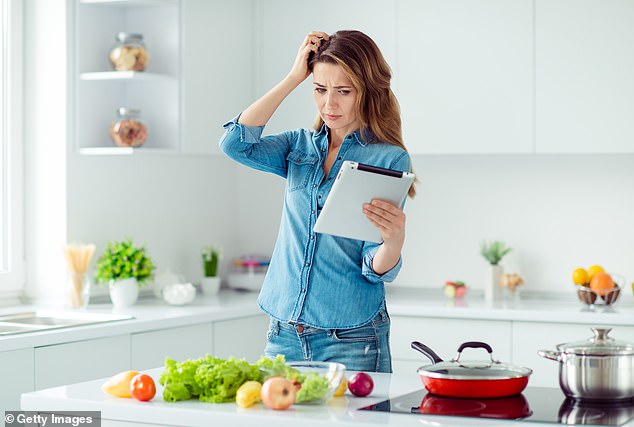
(314,279)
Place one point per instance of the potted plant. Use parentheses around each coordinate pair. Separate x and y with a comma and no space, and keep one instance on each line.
(125,267)
(493,252)
(210,283)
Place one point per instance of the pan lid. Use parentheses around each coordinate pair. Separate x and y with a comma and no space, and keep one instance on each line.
(469,369)
(473,370)
(599,345)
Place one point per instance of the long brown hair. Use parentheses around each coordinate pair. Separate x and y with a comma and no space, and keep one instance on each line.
(377,107)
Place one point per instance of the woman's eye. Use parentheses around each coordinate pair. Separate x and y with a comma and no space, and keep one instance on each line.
(320,90)
(344,92)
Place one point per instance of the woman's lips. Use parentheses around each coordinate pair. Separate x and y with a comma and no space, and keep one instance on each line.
(332,116)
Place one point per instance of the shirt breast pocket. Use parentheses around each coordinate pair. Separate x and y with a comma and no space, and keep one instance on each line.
(300,168)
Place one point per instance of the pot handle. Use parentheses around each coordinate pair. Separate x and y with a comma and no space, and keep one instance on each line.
(549,354)
(475,344)
(420,347)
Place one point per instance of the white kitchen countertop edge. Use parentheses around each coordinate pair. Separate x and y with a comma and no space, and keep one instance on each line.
(87,396)
(154,314)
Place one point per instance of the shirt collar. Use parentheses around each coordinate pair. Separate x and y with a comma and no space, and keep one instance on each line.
(356,135)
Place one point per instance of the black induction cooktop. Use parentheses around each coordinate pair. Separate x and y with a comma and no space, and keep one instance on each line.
(535,404)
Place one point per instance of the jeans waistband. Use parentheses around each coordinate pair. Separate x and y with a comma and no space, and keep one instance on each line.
(381,317)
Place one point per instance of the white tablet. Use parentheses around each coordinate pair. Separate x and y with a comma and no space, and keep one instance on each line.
(356,184)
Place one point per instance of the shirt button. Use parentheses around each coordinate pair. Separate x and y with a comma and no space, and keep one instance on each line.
(312,237)
(319,197)
(312,212)
(307,264)
(315,186)
(338,158)
(300,328)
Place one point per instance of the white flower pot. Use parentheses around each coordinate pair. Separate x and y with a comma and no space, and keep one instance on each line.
(492,287)
(210,285)
(124,293)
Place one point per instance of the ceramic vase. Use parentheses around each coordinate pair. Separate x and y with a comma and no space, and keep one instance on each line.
(210,285)
(492,288)
(124,293)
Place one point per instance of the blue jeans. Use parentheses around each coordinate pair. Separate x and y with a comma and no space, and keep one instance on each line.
(366,348)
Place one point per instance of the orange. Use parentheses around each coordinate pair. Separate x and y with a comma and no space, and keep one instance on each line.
(580,276)
(119,385)
(594,270)
(601,283)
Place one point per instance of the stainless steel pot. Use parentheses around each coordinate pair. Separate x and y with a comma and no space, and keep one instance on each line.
(600,368)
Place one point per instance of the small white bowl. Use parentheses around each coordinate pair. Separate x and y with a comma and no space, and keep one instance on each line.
(179,293)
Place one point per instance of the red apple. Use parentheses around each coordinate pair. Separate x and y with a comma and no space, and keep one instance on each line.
(278,393)
(360,384)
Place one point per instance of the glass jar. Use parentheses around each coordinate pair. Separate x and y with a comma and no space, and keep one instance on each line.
(128,130)
(77,289)
(129,54)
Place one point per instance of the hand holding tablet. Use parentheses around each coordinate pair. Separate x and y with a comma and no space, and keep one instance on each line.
(356,184)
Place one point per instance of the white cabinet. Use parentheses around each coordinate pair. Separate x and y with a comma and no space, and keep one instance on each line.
(584,76)
(466,83)
(281,27)
(241,338)
(81,361)
(218,69)
(16,371)
(529,337)
(149,349)
(444,336)
(100,92)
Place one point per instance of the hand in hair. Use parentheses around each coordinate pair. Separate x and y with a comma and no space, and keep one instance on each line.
(299,72)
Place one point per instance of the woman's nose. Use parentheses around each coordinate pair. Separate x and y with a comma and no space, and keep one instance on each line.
(330,100)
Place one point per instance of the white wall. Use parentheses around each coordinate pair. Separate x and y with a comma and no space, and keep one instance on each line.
(557,212)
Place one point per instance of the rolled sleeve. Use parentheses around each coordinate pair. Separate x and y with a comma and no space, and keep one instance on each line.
(369,273)
(245,145)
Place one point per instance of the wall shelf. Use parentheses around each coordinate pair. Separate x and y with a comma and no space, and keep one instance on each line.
(126,75)
(100,91)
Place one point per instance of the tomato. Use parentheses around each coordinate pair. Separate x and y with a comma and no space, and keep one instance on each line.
(142,387)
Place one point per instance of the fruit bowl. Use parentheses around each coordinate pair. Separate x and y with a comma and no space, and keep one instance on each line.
(601,297)
(317,390)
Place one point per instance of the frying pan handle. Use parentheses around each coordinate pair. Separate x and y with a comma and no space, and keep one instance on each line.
(426,351)
(475,344)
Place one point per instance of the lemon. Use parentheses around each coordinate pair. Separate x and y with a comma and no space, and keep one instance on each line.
(342,387)
(580,276)
(594,270)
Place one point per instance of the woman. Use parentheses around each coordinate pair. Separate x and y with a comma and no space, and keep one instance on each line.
(325,294)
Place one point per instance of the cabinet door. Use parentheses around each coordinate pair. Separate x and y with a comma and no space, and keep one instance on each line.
(283,25)
(16,371)
(530,337)
(241,338)
(584,76)
(444,336)
(217,69)
(149,349)
(81,361)
(465,69)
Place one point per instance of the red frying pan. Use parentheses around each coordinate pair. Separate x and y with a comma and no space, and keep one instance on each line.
(471,379)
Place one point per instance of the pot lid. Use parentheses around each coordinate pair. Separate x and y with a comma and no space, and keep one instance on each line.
(599,345)
(473,370)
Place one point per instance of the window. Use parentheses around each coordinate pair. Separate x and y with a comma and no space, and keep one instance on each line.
(11,180)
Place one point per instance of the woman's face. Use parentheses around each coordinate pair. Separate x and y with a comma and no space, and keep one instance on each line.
(335,97)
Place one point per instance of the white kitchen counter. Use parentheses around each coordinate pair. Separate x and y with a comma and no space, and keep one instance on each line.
(154,314)
(149,314)
(555,308)
(342,411)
